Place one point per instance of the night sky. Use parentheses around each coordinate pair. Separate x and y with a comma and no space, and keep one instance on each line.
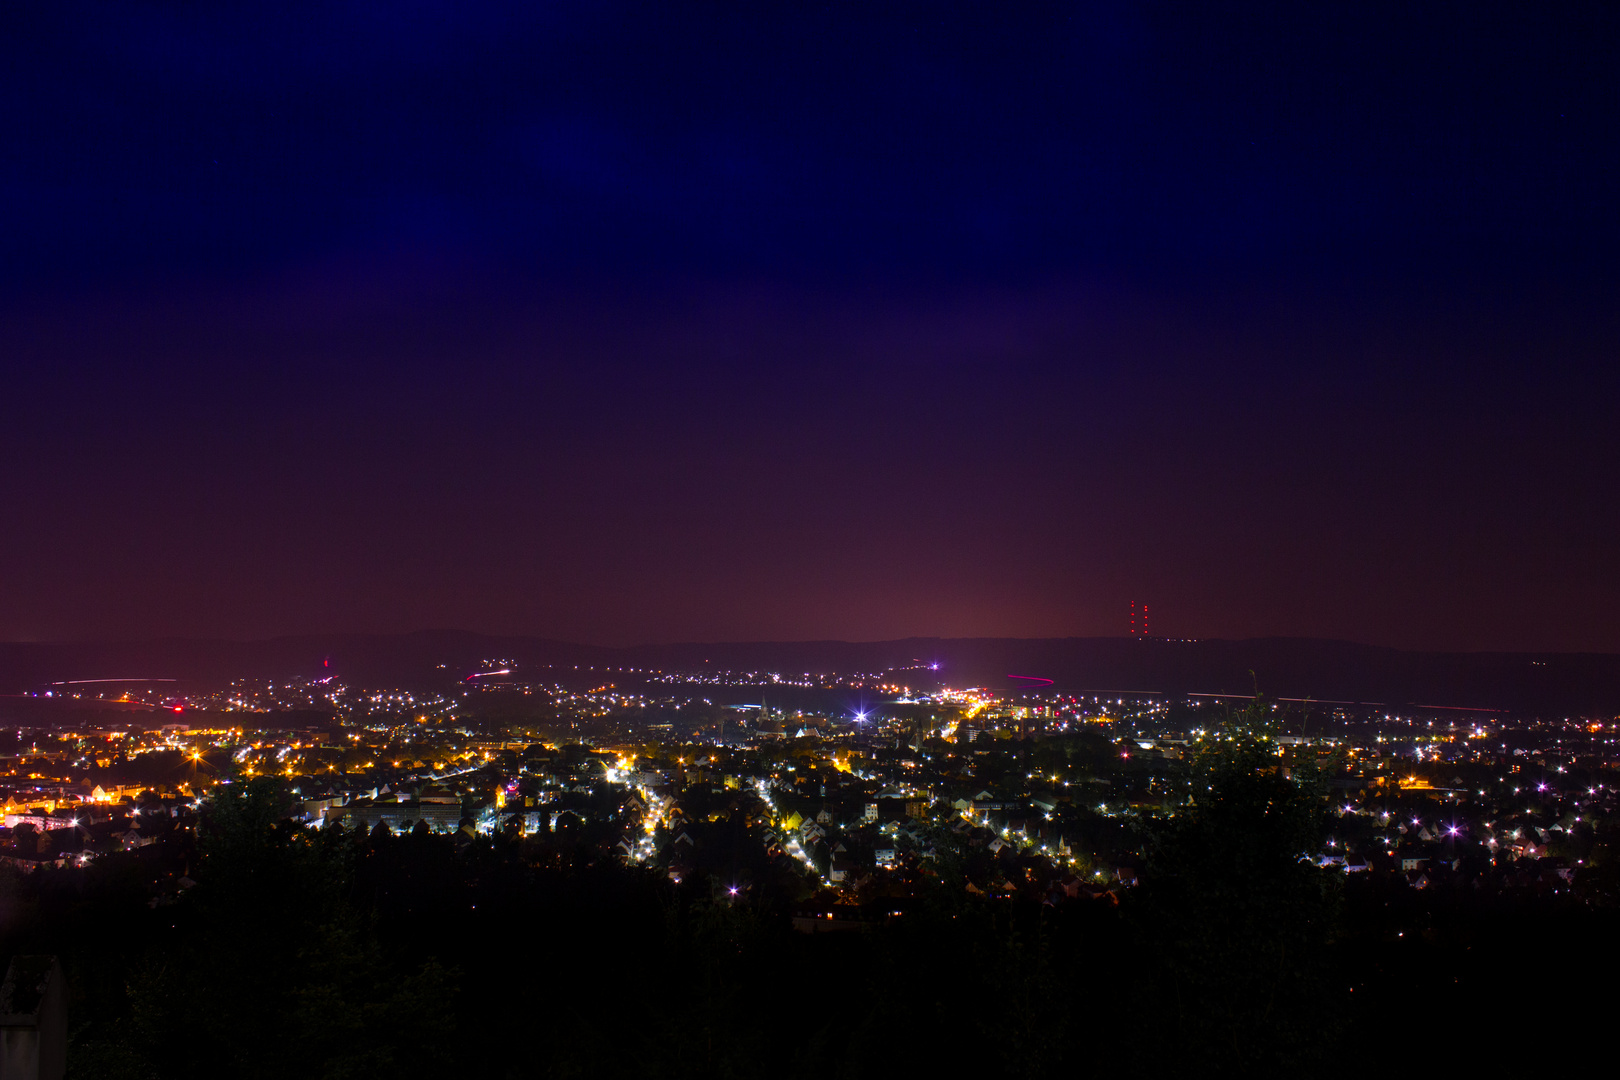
(628,323)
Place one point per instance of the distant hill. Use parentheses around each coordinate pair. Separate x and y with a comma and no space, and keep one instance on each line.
(1585,684)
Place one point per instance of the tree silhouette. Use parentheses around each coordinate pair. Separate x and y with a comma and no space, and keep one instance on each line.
(1237,916)
(274,971)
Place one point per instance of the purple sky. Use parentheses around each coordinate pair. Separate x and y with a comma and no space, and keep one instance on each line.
(745,325)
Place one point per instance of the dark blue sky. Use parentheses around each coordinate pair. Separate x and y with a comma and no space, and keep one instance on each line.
(640,322)
(813,141)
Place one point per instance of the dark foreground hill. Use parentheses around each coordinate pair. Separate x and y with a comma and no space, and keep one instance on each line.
(1586,684)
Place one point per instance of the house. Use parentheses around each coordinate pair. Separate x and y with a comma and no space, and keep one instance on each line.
(134,838)
(441,811)
(31,862)
(320,808)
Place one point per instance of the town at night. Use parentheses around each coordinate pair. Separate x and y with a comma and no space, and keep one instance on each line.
(545,541)
(578,820)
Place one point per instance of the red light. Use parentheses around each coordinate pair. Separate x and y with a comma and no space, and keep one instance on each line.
(177,708)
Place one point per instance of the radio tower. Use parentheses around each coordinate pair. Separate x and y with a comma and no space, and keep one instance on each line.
(1133,618)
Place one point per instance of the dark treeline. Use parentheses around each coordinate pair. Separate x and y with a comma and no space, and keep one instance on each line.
(286,951)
